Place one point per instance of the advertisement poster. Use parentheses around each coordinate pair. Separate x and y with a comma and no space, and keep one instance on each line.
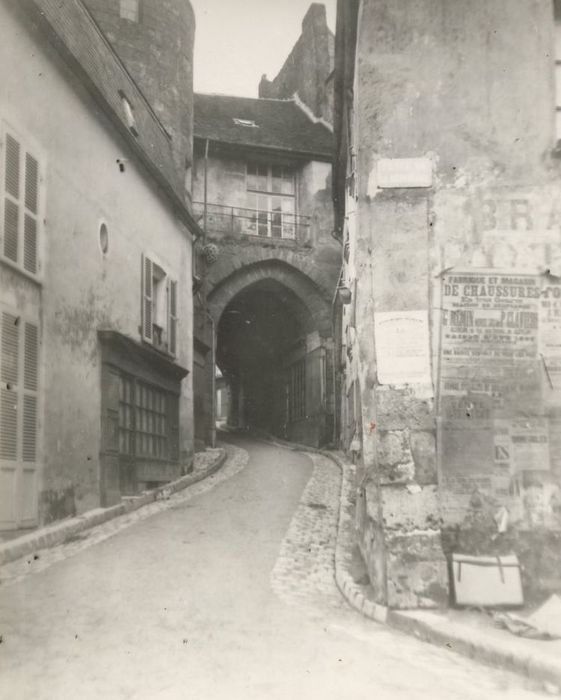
(550,334)
(491,423)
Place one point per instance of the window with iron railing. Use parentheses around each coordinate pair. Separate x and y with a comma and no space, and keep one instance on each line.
(271,193)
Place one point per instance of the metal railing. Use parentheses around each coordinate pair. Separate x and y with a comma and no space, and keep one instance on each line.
(241,221)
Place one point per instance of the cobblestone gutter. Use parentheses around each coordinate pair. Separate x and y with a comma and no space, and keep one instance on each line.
(457,633)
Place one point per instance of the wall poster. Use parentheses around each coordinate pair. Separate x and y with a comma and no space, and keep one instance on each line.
(493,425)
(402,347)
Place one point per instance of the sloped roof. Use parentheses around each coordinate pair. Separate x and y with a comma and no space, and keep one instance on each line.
(76,36)
(279,125)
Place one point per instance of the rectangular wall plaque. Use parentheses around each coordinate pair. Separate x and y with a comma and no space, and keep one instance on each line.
(404,172)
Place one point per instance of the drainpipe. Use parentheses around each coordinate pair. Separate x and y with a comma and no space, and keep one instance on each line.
(212,380)
(205,191)
(212,387)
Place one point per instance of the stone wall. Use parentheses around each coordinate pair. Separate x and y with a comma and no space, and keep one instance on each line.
(459,384)
(304,269)
(308,68)
(158,53)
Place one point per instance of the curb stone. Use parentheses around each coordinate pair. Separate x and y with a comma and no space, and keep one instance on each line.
(464,641)
(58,533)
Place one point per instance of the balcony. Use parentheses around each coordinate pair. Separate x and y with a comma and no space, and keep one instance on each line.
(240,221)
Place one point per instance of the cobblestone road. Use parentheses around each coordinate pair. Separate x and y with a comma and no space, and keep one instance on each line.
(225,591)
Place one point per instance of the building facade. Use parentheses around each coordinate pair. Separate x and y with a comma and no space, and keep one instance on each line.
(95,274)
(261,187)
(447,191)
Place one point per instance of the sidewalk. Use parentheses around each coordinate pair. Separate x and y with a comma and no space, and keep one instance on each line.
(205,464)
(468,633)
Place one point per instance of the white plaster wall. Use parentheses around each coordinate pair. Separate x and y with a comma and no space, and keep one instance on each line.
(83,290)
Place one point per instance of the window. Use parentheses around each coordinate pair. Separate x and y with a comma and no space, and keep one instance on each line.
(271,195)
(297,391)
(129,9)
(21,205)
(143,420)
(159,307)
(245,122)
(19,384)
(557,9)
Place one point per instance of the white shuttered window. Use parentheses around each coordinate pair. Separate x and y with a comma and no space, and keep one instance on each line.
(21,219)
(159,307)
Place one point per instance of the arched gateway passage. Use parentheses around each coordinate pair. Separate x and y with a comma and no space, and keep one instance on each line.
(274,352)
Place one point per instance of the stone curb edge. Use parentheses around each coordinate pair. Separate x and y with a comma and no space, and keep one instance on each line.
(488,652)
(53,535)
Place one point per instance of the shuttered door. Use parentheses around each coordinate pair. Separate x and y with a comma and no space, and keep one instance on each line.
(21,205)
(19,384)
(315,382)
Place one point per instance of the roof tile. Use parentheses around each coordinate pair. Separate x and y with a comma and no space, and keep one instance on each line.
(279,124)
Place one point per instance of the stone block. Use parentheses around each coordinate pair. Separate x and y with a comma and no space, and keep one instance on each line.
(416,570)
(371,545)
(394,459)
(406,508)
(423,450)
(398,409)
(392,448)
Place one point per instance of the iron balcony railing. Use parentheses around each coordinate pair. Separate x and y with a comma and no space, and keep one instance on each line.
(240,221)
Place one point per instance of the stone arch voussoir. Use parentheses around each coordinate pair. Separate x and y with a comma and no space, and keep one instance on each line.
(316,301)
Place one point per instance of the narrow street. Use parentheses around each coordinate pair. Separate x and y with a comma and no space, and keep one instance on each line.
(223,591)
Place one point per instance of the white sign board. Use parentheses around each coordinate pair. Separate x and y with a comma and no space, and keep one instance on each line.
(404,172)
(402,347)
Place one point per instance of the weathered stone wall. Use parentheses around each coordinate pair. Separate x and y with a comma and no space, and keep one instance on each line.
(158,52)
(442,452)
(306,268)
(80,289)
(308,67)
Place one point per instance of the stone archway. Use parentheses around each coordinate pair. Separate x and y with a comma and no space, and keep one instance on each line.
(293,279)
(274,350)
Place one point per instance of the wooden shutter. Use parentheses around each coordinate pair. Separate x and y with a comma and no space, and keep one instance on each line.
(30,387)
(21,205)
(9,386)
(147,299)
(30,224)
(172,317)
(315,382)
(12,198)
